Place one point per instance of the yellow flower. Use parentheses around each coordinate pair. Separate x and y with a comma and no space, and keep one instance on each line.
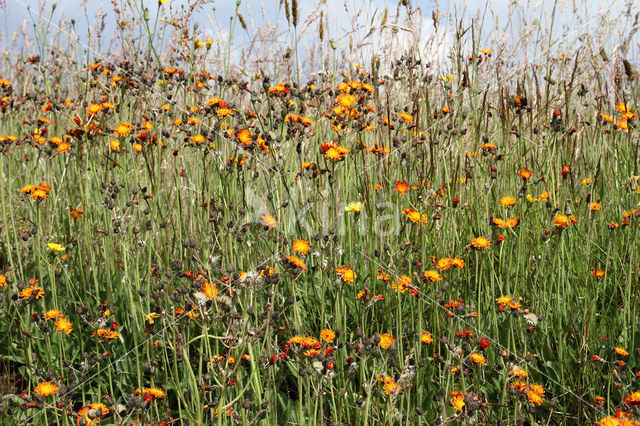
(426,338)
(150,318)
(55,248)
(354,207)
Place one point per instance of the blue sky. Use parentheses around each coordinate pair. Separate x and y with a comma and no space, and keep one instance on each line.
(214,18)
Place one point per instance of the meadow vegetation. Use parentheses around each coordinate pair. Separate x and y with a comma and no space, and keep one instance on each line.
(321,236)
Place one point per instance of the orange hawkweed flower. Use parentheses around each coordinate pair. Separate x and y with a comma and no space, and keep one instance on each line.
(346,100)
(426,338)
(46,389)
(307,342)
(478,358)
(507,201)
(525,174)
(76,213)
(224,112)
(633,399)
(347,274)
(386,340)
(63,324)
(93,109)
(32,292)
(52,314)
(123,129)
(279,89)
(432,275)
(458,401)
(561,221)
(480,242)
(268,220)
(327,335)
(595,206)
(620,351)
(297,262)
(301,246)
(402,187)
(151,392)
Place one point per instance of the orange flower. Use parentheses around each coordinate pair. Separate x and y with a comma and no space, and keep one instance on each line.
(327,335)
(480,242)
(52,314)
(307,342)
(93,109)
(525,174)
(426,338)
(432,275)
(346,100)
(620,351)
(301,246)
(297,262)
(46,389)
(458,401)
(32,292)
(63,324)
(269,220)
(347,274)
(224,112)
(402,187)
(386,340)
(76,213)
(561,221)
(478,358)
(633,399)
(123,129)
(507,201)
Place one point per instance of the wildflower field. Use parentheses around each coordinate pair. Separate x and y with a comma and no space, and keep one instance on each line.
(317,235)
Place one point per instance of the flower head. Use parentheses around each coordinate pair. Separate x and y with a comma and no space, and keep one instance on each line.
(46,389)
(354,207)
(55,248)
(507,201)
(480,242)
(386,340)
(63,324)
(301,246)
(327,335)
